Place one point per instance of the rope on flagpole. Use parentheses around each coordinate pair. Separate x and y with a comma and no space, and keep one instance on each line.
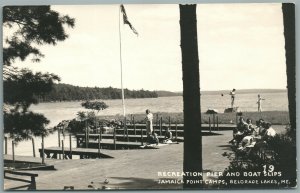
(123,101)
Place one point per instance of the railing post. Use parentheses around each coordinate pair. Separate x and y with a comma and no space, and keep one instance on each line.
(218,122)
(63,148)
(99,146)
(176,130)
(100,132)
(13,150)
(115,146)
(214,121)
(33,183)
(160,126)
(70,147)
(86,135)
(5,140)
(58,132)
(157,121)
(126,130)
(209,123)
(142,140)
(134,127)
(43,150)
(33,147)
(169,123)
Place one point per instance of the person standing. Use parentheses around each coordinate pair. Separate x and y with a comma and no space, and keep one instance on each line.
(232,93)
(259,101)
(149,125)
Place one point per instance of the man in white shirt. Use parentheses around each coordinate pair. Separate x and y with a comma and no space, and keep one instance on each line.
(149,125)
(270,131)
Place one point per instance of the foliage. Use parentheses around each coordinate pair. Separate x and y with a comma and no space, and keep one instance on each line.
(284,148)
(84,119)
(92,122)
(65,92)
(280,153)
(22,88)
(26,27)
(76,126)
(81,115)
(32,25)
(20,126)
(96,105)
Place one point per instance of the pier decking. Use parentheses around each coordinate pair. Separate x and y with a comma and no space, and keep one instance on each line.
(129,169)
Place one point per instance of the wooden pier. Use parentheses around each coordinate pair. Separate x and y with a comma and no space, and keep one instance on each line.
(132,136)
(135,138)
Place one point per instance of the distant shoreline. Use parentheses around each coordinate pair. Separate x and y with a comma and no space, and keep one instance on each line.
(173,94)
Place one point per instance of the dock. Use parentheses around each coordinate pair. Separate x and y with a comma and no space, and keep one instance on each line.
(137,137)
(128,137)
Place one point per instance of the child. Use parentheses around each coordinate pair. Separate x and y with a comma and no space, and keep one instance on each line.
(168,136)
(232,93)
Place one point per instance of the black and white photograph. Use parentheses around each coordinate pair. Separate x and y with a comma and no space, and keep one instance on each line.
(149,96)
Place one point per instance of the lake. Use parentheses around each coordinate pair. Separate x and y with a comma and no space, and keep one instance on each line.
(25,147)
(58,111)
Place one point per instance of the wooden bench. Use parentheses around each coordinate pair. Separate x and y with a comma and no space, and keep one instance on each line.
(32,183)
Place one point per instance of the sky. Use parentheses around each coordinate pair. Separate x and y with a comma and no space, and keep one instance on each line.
(240,46)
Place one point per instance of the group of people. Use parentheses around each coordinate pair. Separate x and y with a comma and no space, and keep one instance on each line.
(152,137)
(246,135)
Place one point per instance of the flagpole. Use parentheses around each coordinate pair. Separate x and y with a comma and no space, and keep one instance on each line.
(123,101)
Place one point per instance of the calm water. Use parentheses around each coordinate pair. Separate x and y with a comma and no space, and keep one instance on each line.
(59,111)
(25,147)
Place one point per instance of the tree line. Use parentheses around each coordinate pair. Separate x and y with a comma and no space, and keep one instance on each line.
(66,92)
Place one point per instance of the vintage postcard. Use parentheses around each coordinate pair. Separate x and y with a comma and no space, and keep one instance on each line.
(149,96)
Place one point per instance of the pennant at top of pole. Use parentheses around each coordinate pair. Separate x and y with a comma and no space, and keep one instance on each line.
(125,19)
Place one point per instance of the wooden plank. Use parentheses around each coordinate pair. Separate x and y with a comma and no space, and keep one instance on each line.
(19,173)
(17,179)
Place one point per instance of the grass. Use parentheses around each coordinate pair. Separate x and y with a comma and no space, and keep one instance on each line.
(275,117)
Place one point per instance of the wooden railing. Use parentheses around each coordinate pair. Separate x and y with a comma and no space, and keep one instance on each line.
(32,182)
